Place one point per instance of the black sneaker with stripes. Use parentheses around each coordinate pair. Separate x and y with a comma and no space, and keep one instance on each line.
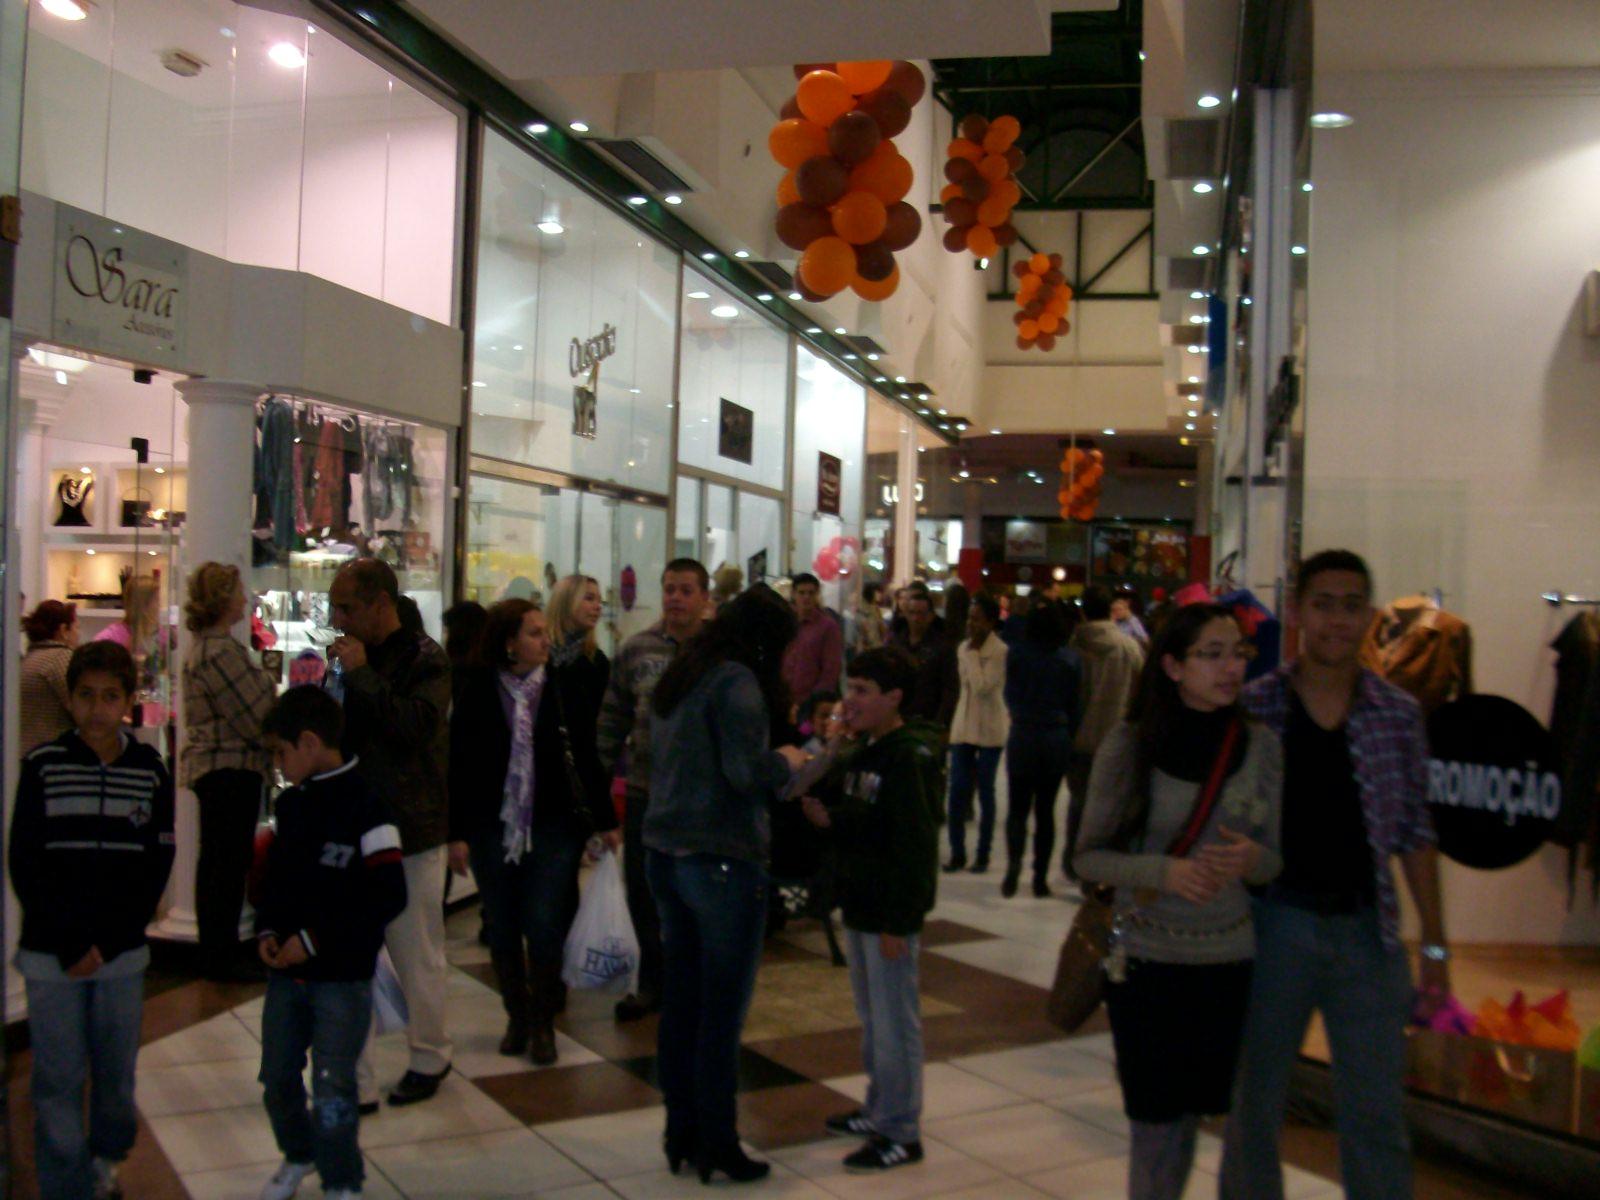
(880,1154)
(850,1124)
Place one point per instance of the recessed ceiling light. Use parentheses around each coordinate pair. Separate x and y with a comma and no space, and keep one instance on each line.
(725,311)
(1194,379)
(537,127)
(67,10)
(1209,101)
(1109,432)
(518,346)
(1194,412)
(796,296)
(764,297)
(741,254)
(1197,320)
(1197,295)
(61,378)
(636,201)
(634,391)
(699,295)
(814,329)
(552,227)
(945,425)
(1184,441)
(1202,187)
(709,255)
(899,378)
(872,358)
(90,551)
(964,473)
(1190,426)
(672,198)
(1306,186)
(1297,249)
(1331,120)
(479,383)
(1246,300)
(287,55)
(578,127)
(1194,349)
(943,412)
(881,379)
(839,329)
(850,357)
(1141,56)
(995,432)
(1202,249)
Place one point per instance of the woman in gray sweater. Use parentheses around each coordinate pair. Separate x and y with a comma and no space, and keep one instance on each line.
(708,836)
(1180,971)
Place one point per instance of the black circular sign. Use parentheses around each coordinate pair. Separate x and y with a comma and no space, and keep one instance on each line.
(1493,787)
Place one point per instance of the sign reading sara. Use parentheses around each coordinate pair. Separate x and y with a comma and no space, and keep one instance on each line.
(118,290)
(584,358)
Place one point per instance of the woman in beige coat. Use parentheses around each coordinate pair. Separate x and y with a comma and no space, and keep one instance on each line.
(977,733)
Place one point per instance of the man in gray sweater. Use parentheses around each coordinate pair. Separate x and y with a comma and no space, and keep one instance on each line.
(624,740)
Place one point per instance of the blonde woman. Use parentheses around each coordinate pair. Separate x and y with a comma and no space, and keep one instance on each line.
(141,617)
(574,615)
(225,760)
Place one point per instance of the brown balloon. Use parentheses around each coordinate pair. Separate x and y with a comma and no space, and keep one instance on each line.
(1033,308)
(955,238)
(1006,235)
(1023,343)
(888,108)
(903,227)
(874,261)
(974,126)
(1047,341)
(1056,260)
(1018,317)
(1015,158)
(790,110)
(798,225)
(801,70)
(976,188)
(806,293)
(960,211)
(959,170)
(1019,269)
(853,137)
(821,180)
(906,79)
(1054,277)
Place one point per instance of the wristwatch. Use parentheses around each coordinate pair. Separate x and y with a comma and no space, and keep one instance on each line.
(1436,952)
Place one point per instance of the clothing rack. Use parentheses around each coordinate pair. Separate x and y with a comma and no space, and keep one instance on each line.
(1557,599)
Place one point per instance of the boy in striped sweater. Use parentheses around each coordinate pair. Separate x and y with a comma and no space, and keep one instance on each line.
(333,882)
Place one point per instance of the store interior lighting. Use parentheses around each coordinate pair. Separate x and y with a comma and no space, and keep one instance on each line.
(287,55)
(578,127)
(67,10)
(537,127)
(725,311)
(551,227)
(1209,101)
(1331,120)
(699,295)
(1202,188)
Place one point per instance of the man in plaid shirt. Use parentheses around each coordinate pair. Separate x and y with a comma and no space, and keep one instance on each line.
(1328,929)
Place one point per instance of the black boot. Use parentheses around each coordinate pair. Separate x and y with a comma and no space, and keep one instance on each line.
(1041,888)
(1008,885)
(545,989)
(958,862)
(732,1162)
(515,1042)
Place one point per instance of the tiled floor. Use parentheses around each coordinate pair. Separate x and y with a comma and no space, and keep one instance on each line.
(1012,1109)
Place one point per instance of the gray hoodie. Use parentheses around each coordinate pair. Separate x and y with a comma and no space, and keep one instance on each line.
(1111,664)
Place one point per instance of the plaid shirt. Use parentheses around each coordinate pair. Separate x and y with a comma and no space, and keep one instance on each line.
(225,699)
(1389,747)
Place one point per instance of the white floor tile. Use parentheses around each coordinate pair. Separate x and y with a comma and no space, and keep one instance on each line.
(245,1183)
(1005,956)
(220,1038)
(996,1189)
(1049,1071)
(663,1185)
(1096,1044)
(198,1087)
(458,1110)
(947,1091)
(1101,1108)
(513,1162)
(210,1141)
(1103,1179)
(943,1169)
(584,1191)
(612,1146)
(1028,1138)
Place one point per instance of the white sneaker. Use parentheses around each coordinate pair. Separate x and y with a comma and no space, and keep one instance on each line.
(286,1181)
(106,1186)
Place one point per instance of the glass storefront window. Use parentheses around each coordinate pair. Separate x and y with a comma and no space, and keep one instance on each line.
(829,459)
(576,326)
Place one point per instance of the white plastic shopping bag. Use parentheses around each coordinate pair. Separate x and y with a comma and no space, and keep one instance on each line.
(602,950)
(388,1000)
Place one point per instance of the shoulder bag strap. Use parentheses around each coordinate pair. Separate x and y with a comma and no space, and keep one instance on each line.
(1207,801)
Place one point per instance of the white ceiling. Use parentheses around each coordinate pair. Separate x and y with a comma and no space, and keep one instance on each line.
(1382,35)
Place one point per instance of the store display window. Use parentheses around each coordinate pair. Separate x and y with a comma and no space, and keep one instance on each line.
(829,464)
(332,484)
(576,330)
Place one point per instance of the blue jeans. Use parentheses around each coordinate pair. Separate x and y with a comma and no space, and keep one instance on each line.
(1338,964)
(971,765)
(529,906)
(885,991)
(713,916)
(1036,762)
(83,1032)
(331,1020)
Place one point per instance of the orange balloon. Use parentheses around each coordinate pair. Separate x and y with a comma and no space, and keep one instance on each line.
(1029,329)
(949,192)
(859,218)
(980,240)
(1056,305)
(1066,290)
(1002,132)
(824,97)
(864,76)
(828,265)
(787,192)
(793,141)
(962,148)
(876,289)
(1010,189)
(1049,322)
(1039,264)
(994,211)
(886,174)
(994,167)
(1027,288)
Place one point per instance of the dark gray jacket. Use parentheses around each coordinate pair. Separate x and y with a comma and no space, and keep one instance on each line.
(713,771)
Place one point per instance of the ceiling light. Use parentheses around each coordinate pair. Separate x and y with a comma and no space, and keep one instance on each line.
(881,379)
(964,473)
(1197,295)
(1297,249)
(741,254)
(1197,320)
(1193,412)
(1202,249)
(945,425)
(578,127)
(943,412)
(86,470)
(1141,56)
(287,55)
(796,296)
(161,470)
(1194,379)
(1190,426)
(633,391)
(814,329)
(699,295)
(1202,188)
(1331,120)
(1109,432)
(1246,300)
(672,198)
(537,127)
(90,551)
(479,383)
(67,10)
(61,378)
(839,329)
(518,346)
(995,432)
(552,227)
(725,311)
(1306,186)
(920,450)
(636,201)
(1195,349)
(709,255)
(764,297)
(1209,101)
(850,357)
(872,358)
(899,378)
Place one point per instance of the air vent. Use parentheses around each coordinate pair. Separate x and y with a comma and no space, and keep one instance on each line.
(655,173)
(1186,274)
(1192,147)
(772,273)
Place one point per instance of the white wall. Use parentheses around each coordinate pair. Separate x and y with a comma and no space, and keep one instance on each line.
(1453,420)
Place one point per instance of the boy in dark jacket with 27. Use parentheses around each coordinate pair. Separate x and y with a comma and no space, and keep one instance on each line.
(333,882)
(91,847)
(884,822)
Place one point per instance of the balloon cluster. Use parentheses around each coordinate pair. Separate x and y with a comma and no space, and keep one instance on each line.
(982,166)
(1081,473)
(1043,297)
(836,560)
(842,202)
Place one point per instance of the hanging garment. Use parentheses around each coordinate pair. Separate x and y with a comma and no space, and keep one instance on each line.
(1421,649)
(334,463)
(276,479)
(387,475)
(1575,725)
(73,492)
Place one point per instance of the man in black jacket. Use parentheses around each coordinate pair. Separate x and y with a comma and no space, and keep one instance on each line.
(396,687)
(938,684)
(91,847)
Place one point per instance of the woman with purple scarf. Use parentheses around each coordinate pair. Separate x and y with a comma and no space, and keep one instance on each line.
(515,816)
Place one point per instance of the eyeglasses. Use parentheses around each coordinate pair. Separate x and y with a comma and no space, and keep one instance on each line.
(1244,652)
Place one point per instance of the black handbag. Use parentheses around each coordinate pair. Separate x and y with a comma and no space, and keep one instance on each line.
(576,791)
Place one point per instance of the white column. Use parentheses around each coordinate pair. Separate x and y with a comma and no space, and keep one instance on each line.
(905,512)
(221,417)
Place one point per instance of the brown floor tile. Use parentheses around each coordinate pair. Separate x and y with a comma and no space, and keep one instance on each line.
(788,1116)
(950,933)
(817,1055)
(178,1008)
(561,1093)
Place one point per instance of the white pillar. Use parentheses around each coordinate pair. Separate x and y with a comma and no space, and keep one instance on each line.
(905,512)
(221,417)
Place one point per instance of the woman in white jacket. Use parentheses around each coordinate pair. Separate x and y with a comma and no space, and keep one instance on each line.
(978,732)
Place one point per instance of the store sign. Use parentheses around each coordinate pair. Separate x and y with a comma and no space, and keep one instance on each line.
(1027,542)
(736,432)
(584,359)
(830,484)
(1493,787)
(117,290)
(891,494)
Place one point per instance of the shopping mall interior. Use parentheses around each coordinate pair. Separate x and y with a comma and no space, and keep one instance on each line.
(1009,297)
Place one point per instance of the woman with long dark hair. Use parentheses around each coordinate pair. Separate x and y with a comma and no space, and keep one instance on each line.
(1041,693)
(521,816)
(1183,812)
(708,839)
